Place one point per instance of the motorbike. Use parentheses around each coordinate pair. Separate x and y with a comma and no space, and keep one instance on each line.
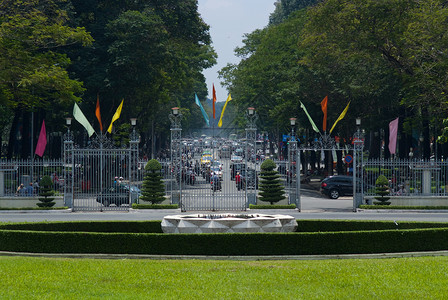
(216,185)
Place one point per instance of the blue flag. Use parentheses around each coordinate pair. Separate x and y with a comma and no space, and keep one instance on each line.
(198,103)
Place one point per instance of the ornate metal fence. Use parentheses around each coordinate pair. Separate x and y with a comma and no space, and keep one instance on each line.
(15,174)
(407,177)
(100,176)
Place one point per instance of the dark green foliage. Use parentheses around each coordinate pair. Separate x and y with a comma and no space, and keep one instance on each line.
(154,206)
(45,192)
(382,189)
(404,207)
(271,188)
(322,237)
(153,188)
(290,206)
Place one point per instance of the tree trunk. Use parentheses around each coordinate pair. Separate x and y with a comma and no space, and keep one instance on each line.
(12,142)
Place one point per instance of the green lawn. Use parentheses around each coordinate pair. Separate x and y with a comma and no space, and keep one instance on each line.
(58,278)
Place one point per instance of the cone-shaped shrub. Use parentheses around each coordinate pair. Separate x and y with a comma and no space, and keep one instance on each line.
(382,190)
(45,192)
(271,187)
(153,189)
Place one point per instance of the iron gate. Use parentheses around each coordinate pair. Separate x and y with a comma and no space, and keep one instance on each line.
(206,178)
(100,177)
(329,148)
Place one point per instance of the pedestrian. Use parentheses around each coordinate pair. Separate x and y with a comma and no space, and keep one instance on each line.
(20,189)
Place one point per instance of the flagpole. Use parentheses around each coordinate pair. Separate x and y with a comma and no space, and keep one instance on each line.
(32,142)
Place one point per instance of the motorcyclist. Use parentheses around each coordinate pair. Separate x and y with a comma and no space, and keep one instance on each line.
(216,183)
(238,181)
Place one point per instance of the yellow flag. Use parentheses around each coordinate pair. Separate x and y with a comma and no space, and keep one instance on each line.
(116,116)
(340,117)
(223,109)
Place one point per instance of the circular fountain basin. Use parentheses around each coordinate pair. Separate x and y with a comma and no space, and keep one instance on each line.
(225,223)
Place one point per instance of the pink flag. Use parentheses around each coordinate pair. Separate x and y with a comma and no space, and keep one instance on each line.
(42,142)
(393,132)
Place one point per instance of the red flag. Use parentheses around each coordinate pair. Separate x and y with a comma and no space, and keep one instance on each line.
(214,101)
(323,104)
(97,112)
(42,142)
(393,132)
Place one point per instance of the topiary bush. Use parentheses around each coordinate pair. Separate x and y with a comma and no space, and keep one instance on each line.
(153,189)
(271,188)
(382,189)
(45,192)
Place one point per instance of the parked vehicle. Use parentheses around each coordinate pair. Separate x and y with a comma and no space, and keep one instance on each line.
(118,195)
(336,186)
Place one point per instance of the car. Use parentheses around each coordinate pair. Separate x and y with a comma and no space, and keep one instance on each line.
(217,171)
(236,159)
(336,186)
(118,195)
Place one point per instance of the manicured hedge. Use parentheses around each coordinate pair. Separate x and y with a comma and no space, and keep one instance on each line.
(269,206)
(89,226)
(403,207)
(81,240)
(154,206)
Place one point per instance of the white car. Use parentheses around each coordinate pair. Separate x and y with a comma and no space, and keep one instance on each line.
(217,171)
(236,159)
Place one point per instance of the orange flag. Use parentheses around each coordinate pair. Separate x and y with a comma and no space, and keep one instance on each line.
(97,112)
(323,104)
(214,101)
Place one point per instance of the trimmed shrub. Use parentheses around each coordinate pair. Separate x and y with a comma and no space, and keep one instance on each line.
(271,189)
(153,189)
(382,189)
(45,192)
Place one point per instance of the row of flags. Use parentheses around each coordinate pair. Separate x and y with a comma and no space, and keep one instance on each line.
(81,118)
(204,113)
(324,106)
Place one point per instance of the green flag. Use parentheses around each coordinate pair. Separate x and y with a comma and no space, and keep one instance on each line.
(309,117)
(79,116)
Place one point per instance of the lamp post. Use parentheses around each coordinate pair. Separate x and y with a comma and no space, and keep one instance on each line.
(293,169)
(251,151)
(420,145)
(134,140)
(176,154)
(68,164)
(358,145)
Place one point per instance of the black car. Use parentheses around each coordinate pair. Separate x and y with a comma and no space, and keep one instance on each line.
(118,195)
(338,185)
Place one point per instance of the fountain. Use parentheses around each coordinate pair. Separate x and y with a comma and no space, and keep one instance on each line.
(226,223)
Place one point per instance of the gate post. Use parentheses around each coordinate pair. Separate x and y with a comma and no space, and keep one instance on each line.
(176,155)
(134,140)
(68,165)
(251,151)
(294,167)
(358,146)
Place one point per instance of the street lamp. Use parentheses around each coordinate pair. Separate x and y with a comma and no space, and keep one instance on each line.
(251,111)
(133,122)
(175,111)
(293,123)
(68,121)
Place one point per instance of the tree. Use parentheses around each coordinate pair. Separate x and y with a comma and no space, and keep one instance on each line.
(382,190)
(271,188)
(45,192)
(153,188)
(151,53)
(34,74)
